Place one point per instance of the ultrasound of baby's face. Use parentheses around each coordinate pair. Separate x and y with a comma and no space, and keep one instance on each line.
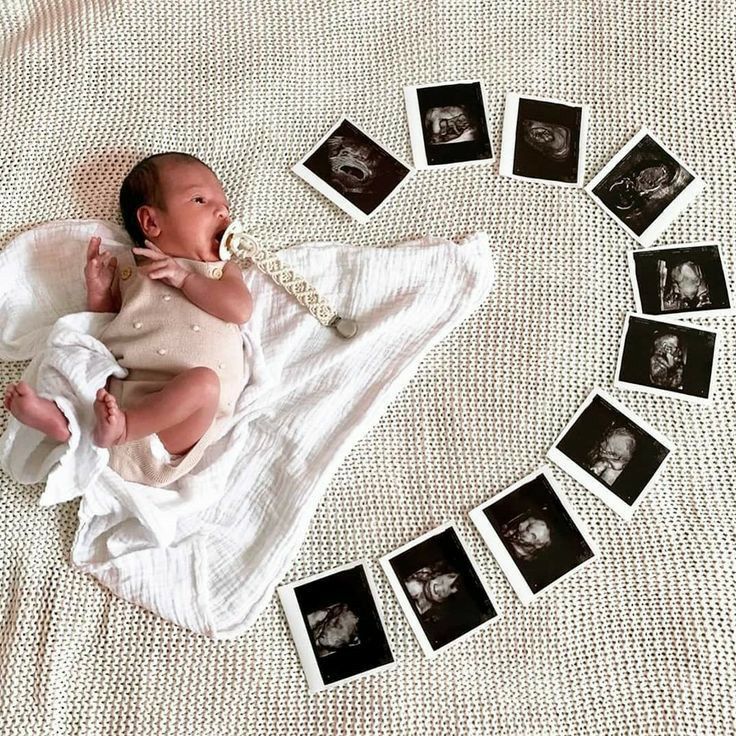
(667,361)
(683,287)
(611,454)
(333,628)
(431,585)
(527,535)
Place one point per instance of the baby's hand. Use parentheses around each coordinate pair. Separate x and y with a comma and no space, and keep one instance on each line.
(99,271)
(164,267)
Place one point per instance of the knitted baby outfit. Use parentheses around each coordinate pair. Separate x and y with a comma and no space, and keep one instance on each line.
(157,334)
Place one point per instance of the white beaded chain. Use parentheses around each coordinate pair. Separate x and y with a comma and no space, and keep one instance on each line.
(246,250)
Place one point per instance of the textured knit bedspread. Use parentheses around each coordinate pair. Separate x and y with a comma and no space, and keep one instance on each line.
(641,641)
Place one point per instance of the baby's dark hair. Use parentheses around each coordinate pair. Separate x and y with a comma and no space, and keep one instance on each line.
(142,186)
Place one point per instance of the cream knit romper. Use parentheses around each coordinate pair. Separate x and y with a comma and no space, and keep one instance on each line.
(157,334)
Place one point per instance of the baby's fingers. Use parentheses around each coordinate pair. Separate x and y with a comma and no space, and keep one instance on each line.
(93,266)
(153,247)
(93,247)
(156,270)
(170,273)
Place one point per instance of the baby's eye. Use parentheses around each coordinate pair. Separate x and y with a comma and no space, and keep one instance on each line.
(194,199)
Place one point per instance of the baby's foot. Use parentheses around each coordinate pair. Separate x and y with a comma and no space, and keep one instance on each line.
(111,424)
(33,411)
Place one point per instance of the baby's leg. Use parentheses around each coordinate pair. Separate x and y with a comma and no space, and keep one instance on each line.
(30,409)
(180,412)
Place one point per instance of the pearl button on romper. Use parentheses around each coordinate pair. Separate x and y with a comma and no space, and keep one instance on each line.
(158,334)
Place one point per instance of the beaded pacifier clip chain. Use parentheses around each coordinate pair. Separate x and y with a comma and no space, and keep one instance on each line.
(246,250)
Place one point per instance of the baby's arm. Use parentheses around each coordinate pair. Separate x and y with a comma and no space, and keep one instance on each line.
(227,298)
(101,279)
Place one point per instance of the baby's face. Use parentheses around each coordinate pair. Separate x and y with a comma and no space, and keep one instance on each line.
(197,212)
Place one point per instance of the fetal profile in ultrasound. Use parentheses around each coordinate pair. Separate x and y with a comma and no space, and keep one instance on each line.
(644,187)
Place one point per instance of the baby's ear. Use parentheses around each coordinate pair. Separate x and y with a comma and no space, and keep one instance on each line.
(146,216)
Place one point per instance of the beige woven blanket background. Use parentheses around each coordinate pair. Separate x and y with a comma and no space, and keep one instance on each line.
(642,641)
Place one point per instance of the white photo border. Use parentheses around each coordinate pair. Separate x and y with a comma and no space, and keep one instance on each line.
(605,494)
(670,213)
(416,135)
(499,551)
(405,605)
(683,314)
(302,638)
(661,391)
(508,139)
(331,193)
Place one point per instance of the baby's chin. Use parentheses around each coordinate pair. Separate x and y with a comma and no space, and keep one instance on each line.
(191,250)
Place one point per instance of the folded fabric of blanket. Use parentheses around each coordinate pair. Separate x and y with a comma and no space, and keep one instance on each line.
(207,552)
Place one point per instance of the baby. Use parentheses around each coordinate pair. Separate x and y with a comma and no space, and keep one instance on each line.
(177,329)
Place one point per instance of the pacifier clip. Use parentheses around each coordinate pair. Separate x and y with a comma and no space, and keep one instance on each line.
(246,250)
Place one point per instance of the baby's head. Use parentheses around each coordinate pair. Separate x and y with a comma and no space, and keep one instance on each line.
(177,202)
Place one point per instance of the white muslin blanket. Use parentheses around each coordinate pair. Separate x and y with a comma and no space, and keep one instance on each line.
(208,551)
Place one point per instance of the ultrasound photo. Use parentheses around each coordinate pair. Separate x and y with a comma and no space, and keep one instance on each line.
(535,535)
(544,140)
(439,589)
(337,626)
(611,452)
(448,124)
(644,187)
(353,171)
(680,279)
(662,356)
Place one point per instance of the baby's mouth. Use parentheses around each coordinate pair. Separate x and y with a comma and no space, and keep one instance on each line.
(217,237)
